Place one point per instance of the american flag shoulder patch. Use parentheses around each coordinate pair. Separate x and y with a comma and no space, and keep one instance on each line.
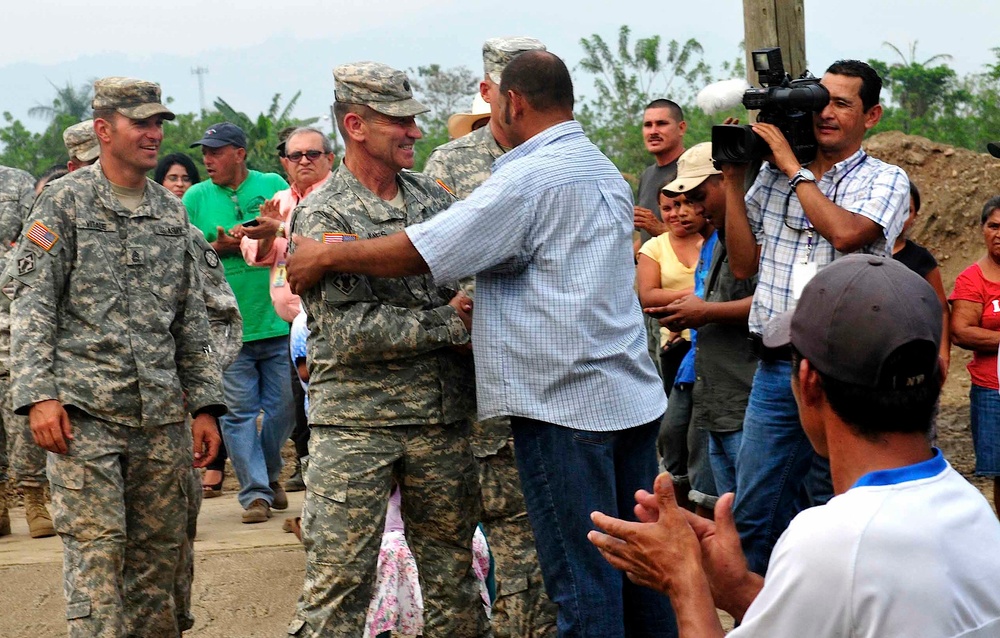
(42,236)
(336,238)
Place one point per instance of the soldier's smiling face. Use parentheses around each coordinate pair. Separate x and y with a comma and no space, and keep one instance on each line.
(136,142)
(390,139)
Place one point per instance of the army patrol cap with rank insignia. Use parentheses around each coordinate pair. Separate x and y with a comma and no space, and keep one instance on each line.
(498,52)
(81,141)
(377,86)
(135,99)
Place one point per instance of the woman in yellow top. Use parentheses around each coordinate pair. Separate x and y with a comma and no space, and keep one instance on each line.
(665,273)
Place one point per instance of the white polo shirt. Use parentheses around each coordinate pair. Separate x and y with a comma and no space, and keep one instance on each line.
(913,551)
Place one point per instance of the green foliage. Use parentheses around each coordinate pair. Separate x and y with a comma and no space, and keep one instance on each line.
(445,92)
(932,101)
(916,87)
(626,78)
(70,101)
(262,131)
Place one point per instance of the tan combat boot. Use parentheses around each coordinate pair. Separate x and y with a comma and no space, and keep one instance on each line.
(4,516)
(39,521)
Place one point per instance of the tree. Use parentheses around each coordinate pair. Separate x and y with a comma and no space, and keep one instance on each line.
(917,87)
(262,132)
(71,101)
(445,92)
(626,78)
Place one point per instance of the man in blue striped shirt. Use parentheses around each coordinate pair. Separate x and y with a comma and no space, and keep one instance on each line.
(558,335)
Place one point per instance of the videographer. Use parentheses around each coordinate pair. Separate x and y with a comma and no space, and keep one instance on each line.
(794,220)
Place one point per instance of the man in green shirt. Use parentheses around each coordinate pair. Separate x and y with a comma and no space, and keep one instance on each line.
(258,379)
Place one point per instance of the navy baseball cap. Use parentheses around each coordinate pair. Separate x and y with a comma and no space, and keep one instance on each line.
(223,134)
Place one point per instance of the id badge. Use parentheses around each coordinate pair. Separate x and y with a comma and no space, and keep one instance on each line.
(279,275)
(801,274)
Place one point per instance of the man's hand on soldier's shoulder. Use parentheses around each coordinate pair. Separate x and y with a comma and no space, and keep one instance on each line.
(305,265)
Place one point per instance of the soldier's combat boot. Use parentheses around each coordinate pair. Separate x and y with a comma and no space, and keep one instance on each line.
(4,516)
(39,520)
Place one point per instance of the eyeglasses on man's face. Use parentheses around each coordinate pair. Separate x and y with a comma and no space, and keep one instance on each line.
(296,156)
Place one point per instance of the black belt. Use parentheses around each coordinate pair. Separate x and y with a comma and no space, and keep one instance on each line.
(768,355)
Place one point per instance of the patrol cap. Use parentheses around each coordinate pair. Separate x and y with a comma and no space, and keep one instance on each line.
(693,168)
(377,86)
(855,314)
(222,134)
(498,52)
(135,99)
(81,141)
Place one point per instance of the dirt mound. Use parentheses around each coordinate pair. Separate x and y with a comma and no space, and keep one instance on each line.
(954,184)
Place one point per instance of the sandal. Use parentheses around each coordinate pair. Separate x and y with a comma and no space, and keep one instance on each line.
(212,490)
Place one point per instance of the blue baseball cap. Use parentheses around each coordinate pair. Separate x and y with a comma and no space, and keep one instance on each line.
(223,134)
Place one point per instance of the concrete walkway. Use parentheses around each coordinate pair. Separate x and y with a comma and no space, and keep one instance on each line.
(247,577)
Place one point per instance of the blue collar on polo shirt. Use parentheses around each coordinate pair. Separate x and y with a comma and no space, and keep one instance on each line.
(925,469)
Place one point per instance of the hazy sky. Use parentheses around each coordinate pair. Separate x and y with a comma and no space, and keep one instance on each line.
(254,49)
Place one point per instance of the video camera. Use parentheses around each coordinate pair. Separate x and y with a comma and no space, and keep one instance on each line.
(784,102)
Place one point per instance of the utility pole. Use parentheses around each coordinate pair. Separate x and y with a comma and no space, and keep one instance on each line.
(200,71)
(775,23)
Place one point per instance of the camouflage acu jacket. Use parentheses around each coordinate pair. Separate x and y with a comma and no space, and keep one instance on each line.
(107,312)
(17,192)
(379,349)
(225,322)
(465,163)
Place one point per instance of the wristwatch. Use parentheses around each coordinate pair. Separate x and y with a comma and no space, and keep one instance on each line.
(281,229)
(803,175)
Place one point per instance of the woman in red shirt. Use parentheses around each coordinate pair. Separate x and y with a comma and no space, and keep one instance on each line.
(975,325)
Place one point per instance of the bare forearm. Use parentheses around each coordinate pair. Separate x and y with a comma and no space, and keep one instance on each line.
(729,312)
(740,241)
(738,599)
(695,610)
(652,297)
(391,256)
(975,338)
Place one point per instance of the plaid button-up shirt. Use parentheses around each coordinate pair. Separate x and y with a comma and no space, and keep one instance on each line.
(861,184)
(557,329)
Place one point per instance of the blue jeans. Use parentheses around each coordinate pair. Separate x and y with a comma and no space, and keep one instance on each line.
(778,474)
(984,412)
(722,450)
(566,474)
(258,380)
(684,449)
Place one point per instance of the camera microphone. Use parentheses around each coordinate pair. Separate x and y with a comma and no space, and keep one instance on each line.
(724,95)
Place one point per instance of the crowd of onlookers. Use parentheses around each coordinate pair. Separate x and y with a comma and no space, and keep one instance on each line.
(484,366)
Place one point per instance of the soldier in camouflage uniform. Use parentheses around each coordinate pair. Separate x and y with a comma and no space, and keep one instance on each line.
(390,385)
(521,609)
(17,192)
(225,326)
(109,335)
(81,145)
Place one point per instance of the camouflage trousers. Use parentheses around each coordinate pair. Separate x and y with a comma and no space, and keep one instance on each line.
(522,609)
(348,480)
(119,503)
(184,576)
(27,460)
